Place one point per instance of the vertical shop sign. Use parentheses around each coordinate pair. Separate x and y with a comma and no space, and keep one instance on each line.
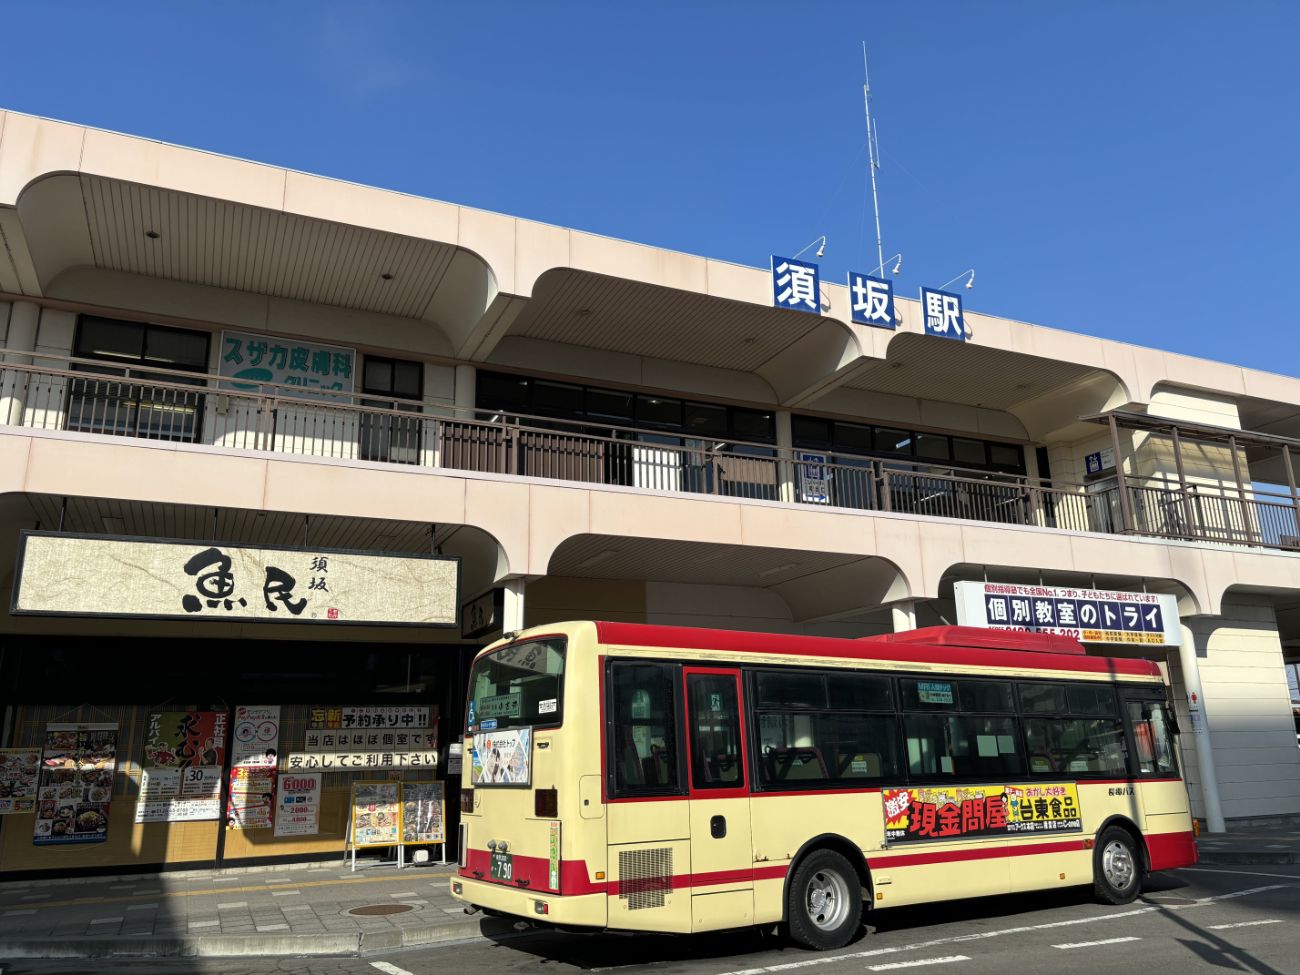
(256,736)
(297,806)
(20,773)
(180,781)
(376,814)
(252,798)
(422,813)
(76,785)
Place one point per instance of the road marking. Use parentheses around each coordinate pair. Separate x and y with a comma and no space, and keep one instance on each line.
(36,897)
(388,969)
(1244,924)
(107,920)
(405,893)
(231,905)
(916,964)
(273,927)
(19,913)
(1244,873)
(204,924)
(1095,944)
(143,907)
(286,893)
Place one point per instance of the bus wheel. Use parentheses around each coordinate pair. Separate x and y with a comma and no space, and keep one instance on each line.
(1116,867)
(823,902)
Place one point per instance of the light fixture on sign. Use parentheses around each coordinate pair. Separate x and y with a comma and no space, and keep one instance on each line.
(898,265)
(820,250)
(970,282)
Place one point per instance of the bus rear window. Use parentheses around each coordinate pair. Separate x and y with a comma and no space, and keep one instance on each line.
(518,686)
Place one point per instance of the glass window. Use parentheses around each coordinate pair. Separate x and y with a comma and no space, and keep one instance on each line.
(1083,699)
(962,746)
(659,411)
(860,692)
(557,399)
(932,447)
(706,420)
(1042,699)
(788,689)
(715,731)
(1151,735)
(811,432)
(497,391)
(968,452)
(1075,746)
(893,441)
(174,348)
(753,425)
(610,404)
(518,686)
(853,438)
(643,717)
(104,338)
(928,695)
(378,375)
(803,749)
(408,379)
(1007,457)
(987,696)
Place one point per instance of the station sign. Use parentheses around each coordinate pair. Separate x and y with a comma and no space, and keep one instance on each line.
(1099,461)
(795,285)
(871,301)
(151,578)
(942,314)
(1088,615)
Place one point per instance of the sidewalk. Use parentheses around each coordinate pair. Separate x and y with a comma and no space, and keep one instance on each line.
(300,911)
(1277,844)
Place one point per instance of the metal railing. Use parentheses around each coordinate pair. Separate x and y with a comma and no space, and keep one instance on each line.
(160,404)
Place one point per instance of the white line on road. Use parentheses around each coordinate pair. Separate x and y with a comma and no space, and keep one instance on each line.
(231,905)
(889,966)
(19,913)
(204,924)
(1244,873)
(286,893)
(388,969)
(273,927)
(405,893)
(1095,944)
(1245,924)
(106,920)
(143,907)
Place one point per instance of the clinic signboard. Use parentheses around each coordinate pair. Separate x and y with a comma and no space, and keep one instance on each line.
(154,578)
(287,367)
(1090,615)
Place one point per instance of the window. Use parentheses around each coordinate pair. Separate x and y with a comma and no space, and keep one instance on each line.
(643,729)
(716,755)
(1153,738)
(384,436)
(753,425)
(1072,730)
(962,743)
(932,447)
(518,686)
(968,453)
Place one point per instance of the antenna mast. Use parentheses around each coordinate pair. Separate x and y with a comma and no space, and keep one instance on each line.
(873,153)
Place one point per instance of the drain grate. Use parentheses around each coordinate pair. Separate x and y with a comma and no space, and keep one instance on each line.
(379,910)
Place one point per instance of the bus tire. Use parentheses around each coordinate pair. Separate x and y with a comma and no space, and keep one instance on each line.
(1116,867)
(823,907)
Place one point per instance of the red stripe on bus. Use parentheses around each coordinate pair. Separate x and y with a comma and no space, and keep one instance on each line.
(1169,851)
(575,878)
(736,641)
(983,853)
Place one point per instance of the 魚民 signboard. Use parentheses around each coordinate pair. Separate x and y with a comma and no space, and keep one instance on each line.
(163,579)
(1090,615)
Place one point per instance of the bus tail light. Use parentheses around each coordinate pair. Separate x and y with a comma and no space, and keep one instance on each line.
(467,800)
(546,804)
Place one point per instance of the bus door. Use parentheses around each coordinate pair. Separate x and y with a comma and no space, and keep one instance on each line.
(722,850)
(1155,758)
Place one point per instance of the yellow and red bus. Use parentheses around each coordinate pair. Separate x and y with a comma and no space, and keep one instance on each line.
(652,778)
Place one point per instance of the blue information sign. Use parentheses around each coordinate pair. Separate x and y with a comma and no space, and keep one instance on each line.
(795,285)
(943,315)
(871,300)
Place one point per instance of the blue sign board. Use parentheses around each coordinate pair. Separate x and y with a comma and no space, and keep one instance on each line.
(1101,460)
(871,300)
(795,285)
(942,313)
(814,479)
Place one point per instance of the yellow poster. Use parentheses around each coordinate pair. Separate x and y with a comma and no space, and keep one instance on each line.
(954,812)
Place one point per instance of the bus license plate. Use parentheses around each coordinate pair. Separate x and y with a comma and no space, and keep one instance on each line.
(502,867)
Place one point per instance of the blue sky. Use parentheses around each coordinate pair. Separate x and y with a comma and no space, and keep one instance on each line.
(1126,169)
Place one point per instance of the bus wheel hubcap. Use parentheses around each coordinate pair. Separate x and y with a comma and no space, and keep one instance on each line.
(1117,864)
(828,900)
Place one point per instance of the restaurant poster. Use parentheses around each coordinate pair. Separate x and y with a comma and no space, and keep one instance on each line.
(948,812)
(422,813)
(367,717)
(297,804)
(255,738)
(502,757)
(376,814)
(20,773)
(384,750)
(180,779)
(252,798)
(76,784)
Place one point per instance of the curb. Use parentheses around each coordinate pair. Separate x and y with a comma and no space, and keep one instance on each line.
(1249,857)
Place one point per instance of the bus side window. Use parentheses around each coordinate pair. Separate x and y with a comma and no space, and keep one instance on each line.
(1151,734)
(643,722)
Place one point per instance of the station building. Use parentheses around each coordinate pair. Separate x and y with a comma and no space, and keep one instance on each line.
(548,424)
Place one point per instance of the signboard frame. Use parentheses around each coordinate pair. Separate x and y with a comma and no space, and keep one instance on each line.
(972,610)
(26,534)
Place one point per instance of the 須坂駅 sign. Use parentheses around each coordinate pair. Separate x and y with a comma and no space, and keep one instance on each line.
(157,579)
(955,812)
(1090,615)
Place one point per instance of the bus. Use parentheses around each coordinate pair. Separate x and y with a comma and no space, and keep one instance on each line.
(634,777)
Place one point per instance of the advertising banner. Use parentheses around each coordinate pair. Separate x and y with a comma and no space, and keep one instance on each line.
(502,757)
(165,579)
(366,717)
(184,752)
(318,370)
(297,805)
(252,798)
(76,785)
(949,812)
(20,772)
(256,736)
(344,751)
(422,809)
(1090,615)
(376,814)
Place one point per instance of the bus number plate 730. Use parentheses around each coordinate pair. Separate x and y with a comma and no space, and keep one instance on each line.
(502,867)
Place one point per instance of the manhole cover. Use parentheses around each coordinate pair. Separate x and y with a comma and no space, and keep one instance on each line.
(378,910)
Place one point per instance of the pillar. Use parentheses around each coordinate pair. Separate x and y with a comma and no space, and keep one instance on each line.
(465,392)
(1191,668)
(904,613)
(20,344)
(785,457)
(512,610)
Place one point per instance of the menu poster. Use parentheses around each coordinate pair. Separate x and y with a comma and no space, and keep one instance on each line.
(20,770)
(76,784)
(422,813)
(376,814)
(181,773)
(297,805)
(252,798)
(256,738)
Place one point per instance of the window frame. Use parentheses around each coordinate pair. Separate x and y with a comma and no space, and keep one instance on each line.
(612,788)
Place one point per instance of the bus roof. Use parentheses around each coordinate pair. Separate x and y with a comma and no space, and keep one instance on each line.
(952,645)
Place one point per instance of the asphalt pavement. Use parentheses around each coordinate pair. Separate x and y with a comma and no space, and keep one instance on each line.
(1212,919)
